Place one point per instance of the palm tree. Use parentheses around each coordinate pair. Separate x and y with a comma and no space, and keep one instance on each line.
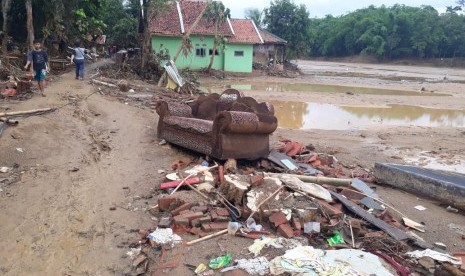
(216,13)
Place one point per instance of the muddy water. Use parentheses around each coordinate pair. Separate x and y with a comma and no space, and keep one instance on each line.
(320,88)
(301,115)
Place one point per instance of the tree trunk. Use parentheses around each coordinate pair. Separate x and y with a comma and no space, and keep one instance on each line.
(5,9)
(30,26)
(215,45)
(145,33)
(185,37)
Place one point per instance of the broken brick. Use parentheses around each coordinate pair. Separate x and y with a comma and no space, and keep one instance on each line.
(185,212)
(183,207)
(222,212)
(191,215)
(165,203)
(222,219)
(351,194)
(277,218)
(329,209)
(214,226)
(194,230)
(181,221)
(285,230)
(195,222)
(256,180)
(205,219)
(296,223)
(202,208)
(375,234)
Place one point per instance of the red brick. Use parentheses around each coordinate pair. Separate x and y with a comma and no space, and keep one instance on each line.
(297,233)
(185,212)
(285,230)
(205,219)
(222,212)
(181,221)
(214,226)
(213,214)
(164,203)
(183,207)
(277,219)
(375,234)
(329,209)
(256,180)
(296,223)
(222,219)
(351,194)
(192,215)
(202,208)
(194,230)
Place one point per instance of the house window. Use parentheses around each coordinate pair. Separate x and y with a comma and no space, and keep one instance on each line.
(200,52)
(238,53)
(210,52)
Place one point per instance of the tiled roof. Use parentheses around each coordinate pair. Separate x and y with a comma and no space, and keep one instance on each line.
(169,22)
(271,38)
(245,32)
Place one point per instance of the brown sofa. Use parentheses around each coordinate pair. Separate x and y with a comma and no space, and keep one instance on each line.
(222,126)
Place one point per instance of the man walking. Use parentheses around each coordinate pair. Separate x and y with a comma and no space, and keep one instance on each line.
(78,57)
(39,59)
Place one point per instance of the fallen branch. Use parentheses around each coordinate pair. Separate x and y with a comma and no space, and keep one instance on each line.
(316,179)
(222,232)
(27,112)
(104,83)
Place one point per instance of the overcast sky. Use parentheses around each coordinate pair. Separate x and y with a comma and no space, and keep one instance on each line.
(320,8)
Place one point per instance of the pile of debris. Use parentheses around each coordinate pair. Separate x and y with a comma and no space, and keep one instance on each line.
(318,224)
(13,87)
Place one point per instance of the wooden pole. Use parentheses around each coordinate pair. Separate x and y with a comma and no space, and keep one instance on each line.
(222,232)
(316,179)
(27,112)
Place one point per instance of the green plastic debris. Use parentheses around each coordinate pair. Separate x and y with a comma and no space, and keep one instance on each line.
(220,262)
(336,239)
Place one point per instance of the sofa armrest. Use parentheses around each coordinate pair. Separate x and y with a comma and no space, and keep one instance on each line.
(173,109)
(244,122)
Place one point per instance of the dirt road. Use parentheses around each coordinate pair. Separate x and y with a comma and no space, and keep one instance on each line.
(78,162)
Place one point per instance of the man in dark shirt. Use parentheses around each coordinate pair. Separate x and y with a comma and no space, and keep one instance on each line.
(39,59)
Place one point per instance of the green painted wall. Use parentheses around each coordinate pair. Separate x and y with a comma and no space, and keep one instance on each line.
(226,60)
(234,63)
(192,61)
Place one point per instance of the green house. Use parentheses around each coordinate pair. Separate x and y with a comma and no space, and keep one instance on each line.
(241,35)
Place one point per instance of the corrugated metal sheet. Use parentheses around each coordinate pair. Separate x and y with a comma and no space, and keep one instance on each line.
(173,73)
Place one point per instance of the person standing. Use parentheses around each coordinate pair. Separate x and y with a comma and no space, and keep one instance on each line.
(78,57)
(39,59)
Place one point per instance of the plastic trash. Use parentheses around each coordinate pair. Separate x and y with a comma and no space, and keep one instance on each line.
(312,227)
(220,262)
(233,227)
(252,225)
(336,239)
(201,268)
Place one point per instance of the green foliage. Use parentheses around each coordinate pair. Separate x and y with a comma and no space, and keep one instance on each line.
(291,22)
(254,14)
(390,32)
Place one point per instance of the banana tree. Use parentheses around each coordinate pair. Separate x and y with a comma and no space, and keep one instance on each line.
(217,14)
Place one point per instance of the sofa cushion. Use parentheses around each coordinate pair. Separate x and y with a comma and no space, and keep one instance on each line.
(189,124)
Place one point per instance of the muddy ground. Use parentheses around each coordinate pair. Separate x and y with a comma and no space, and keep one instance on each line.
(88,170)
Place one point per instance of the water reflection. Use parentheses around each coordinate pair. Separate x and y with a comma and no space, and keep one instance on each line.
(298,115)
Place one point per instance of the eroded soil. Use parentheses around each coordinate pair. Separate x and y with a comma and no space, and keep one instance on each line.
(88,169)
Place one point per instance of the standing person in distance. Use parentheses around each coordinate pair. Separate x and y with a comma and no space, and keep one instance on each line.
(78,57)
(39,59)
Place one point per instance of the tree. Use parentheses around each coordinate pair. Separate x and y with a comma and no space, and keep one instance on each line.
(291,22)
(254,14)
(29,24)
(216,13)
(5,10)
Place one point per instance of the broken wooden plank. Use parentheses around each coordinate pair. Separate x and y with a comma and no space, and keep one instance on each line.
(388,229)
(316,179)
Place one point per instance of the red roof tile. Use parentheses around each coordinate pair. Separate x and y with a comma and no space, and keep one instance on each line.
(271,38)
(168,22)
(245,32)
